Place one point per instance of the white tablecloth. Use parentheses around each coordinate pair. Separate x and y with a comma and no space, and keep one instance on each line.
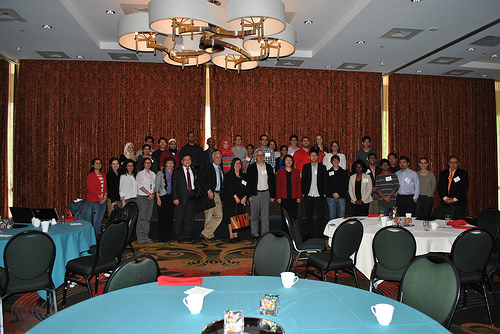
(438,241)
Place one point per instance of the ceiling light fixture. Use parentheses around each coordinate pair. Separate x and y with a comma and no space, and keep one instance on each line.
(193,32)
(46,26)
(328,67)
(110,12)
(470,49)
(484,75)
(308,22)
(79,57)
(494,55)
(418,71)
(360,42)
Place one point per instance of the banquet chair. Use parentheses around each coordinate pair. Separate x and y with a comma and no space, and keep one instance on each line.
(272,255)
(431,284)
(313,245)
(345,243)
(489,219)
(133,213)
(28,259)
(470,254)
(110,244)
(136,270)
(393,250)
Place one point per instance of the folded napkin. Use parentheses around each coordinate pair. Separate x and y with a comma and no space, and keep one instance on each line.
(464,227)
(372,216)
(458,222)
(69,219)
(173,281)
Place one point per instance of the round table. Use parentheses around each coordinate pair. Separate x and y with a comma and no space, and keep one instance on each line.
(438,241)
(308,307)
(71,239)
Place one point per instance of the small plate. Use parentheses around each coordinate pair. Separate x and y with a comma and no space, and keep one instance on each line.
(252,325)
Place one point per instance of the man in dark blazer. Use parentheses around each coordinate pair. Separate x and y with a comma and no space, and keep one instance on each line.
(183,194)
(453,185)
(211,183)
(262,191)
(314,179)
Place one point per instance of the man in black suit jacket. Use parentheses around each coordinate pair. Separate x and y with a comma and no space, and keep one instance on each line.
(183,195)
(314,179)
(453,185)
(211,182)
(262,191)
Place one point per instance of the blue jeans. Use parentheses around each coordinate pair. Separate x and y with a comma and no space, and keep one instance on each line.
(336,207)
(99,210)
(384,208)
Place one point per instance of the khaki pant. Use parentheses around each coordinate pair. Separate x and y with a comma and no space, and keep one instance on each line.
(213,217)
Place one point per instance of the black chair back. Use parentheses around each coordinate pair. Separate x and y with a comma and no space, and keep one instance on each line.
(394,247)
(272,255)
(347,238)
(136,270)
(471,251)
(112,240)
(489,219)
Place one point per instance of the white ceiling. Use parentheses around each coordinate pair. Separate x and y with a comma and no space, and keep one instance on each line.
(82,28)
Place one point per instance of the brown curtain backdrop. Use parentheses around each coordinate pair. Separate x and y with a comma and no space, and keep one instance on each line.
(69,112)
(4,101)
(342,106)
(434,117)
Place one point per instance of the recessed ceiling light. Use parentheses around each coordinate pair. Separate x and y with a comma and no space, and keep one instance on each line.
(110,12)
(433,29)
(360,42)
(328,67)
(79,57)
(471,49)
(494,55)
(484,75)
(46,26)
(414,1)
(419,71)
(308,22)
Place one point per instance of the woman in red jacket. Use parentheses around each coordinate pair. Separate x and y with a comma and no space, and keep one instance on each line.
(97,194)
(288,189)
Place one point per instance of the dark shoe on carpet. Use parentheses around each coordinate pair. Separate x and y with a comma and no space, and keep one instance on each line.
(254,239)
(180,241)
(238,239)
(189,240)
(203,237)
(232,240)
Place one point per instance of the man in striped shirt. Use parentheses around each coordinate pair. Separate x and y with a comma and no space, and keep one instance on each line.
(386,186)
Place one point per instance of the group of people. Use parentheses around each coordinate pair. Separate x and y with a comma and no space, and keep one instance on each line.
(234,176)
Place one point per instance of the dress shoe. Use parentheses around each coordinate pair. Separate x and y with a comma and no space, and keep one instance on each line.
(212,239)
(203,237)
(180,241)
(254,239)
(189,240)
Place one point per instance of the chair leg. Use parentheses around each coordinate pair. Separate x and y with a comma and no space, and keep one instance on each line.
(487,303)
(493,290)
(355,273)
(336,275)
(96,284)
(307,270)
(296,260)
(465,295)
(89,288)
(54,299)
(65,290)
(323,275)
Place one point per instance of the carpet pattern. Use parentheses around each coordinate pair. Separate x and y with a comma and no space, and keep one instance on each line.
(22,312)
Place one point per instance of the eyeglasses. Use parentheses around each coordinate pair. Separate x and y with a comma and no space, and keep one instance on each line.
(259,155)
(453,162)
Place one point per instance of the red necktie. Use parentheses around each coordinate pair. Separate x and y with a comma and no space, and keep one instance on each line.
(450,179)
(190,186)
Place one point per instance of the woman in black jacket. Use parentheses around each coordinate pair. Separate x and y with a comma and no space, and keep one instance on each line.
(235,195)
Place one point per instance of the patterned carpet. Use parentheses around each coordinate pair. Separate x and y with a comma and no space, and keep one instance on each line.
(22,312)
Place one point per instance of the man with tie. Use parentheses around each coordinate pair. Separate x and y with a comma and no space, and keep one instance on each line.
(453,185)
(211,181)
(184,188)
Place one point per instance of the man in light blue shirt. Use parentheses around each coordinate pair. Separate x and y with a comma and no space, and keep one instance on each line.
(409,188)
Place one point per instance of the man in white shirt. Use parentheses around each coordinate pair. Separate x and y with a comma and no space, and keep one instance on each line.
(409,188)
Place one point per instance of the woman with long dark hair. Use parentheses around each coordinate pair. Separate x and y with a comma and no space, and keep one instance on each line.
(288,187)
(113,183)
(97,194)
(164,200)
(360,189)
(235,195)
(128,183)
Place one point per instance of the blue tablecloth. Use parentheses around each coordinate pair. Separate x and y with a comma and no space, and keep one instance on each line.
(70,239)
(308,307)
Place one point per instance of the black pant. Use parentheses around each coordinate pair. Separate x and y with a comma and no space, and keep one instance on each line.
(424,205)
(360,210)
(315,227)
(290,205)
(405,205)
(184,218)
(165,217)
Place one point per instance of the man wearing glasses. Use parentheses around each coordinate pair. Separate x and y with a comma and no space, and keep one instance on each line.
(262,190)
(269,157)
(453,185)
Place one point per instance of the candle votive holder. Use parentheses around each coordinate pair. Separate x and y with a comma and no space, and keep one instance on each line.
(269,304)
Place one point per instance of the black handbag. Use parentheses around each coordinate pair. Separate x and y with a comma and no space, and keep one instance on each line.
(203,203)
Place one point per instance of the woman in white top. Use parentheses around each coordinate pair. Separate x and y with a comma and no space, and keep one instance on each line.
(360,189)
(334,150)
(128,184)
(145,200)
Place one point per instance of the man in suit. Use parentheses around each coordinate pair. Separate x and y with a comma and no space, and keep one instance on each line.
(211,182)
(262,190)
(184,188)
(453,185)
(206,156)
(314,179)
